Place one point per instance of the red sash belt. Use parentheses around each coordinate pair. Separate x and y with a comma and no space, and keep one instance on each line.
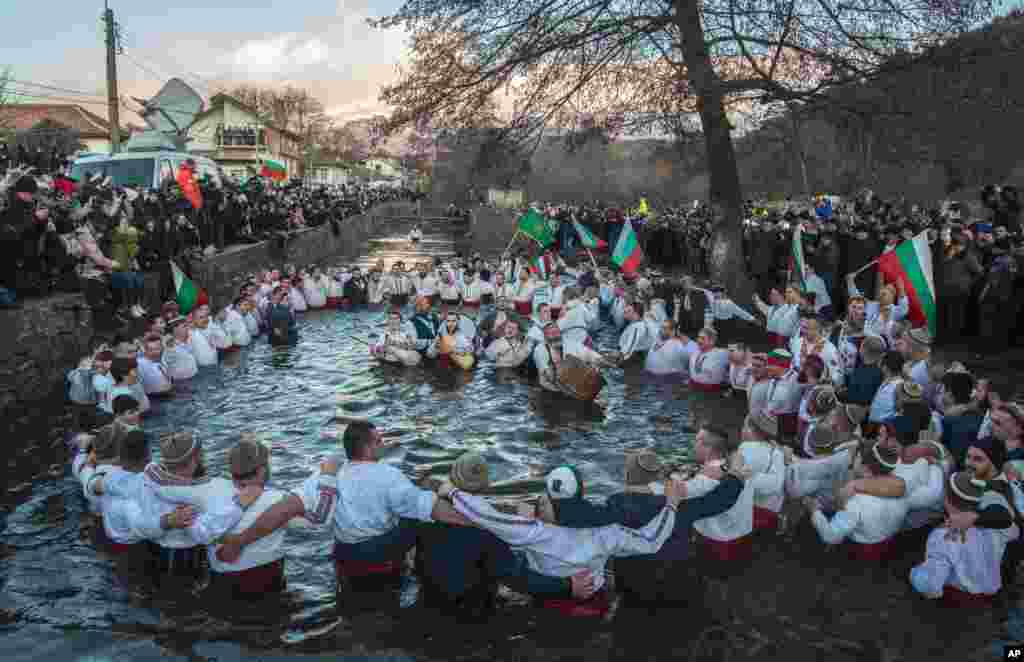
(524,307)
(706,388)
(765,520)
(367,569)
(228,350)
(119,548)
(954,597)
(444,360)
(333,302)
(788,424)
(879,551)
(740,549)
(777,341)
(596,605)
(265,578)
(471,304)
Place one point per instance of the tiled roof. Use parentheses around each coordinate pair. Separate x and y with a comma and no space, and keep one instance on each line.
(21,116)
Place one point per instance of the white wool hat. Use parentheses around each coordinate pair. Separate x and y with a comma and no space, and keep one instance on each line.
(563,483)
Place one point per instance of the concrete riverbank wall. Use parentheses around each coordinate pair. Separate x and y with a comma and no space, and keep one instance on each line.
(45,338)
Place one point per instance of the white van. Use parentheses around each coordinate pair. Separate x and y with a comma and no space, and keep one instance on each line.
(144,169)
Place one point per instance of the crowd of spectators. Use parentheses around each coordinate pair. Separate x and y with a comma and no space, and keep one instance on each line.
(977,250)
(116,244)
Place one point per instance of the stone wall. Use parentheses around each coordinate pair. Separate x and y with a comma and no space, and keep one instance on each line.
(39,343)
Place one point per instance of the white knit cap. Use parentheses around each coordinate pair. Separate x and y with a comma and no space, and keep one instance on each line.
(562,483)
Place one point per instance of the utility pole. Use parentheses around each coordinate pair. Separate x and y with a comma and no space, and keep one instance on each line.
(112,98)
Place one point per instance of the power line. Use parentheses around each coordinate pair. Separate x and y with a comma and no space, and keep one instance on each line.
(201,81)
(29,95)
(43,86)
(64,100)
(143,67)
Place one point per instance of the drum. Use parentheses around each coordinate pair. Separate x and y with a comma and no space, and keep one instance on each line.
(582,380)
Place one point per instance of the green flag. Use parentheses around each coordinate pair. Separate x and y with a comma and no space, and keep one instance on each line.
(533,225)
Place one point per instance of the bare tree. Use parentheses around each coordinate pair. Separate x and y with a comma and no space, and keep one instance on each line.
(644,58)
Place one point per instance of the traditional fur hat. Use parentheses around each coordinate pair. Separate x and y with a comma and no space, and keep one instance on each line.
(471,473)
(643,468)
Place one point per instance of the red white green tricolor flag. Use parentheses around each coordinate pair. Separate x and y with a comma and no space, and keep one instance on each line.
(627,254)
(798,263)
(588,239)
(273,169)
(185,291)
(911,262)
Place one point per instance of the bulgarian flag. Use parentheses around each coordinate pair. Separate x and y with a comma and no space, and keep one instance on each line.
(911,262)
(186,293)
(588,239)
(627,252)
(273,170)
(798,264)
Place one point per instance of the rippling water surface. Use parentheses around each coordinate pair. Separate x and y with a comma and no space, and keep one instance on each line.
(59,597)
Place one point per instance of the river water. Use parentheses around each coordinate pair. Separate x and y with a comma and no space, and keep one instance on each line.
(60,599)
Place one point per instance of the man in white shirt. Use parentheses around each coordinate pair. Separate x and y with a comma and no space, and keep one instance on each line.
(725,537)
(115,489)
(671,353)
(372,508)
(202,338)
(181,479)
(962,568)
(179,359)
(915,346)
(636,338)
(811,341)
(511,350)
(767,461)
(152,373)
(782,314)
(548,356)
(869,522)
(709,366)
(814,284)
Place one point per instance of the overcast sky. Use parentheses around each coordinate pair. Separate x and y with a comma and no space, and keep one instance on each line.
(324,45)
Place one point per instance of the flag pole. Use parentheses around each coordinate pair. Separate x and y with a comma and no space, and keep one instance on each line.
(514,236)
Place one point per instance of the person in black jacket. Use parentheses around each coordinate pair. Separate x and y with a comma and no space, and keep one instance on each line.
(646,580)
